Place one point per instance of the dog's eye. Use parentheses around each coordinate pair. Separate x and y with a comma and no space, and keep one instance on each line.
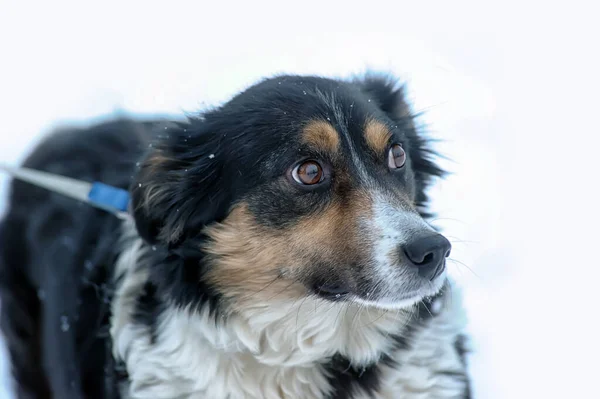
(396,156)
(308,173)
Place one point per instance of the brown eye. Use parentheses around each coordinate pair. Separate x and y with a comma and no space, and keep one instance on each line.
(309,172)
(396,157)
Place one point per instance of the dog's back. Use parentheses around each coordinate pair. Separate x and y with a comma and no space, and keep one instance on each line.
(55,259)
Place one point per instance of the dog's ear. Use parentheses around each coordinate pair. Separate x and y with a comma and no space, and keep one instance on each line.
(179,186)
(389,96)
(387,93)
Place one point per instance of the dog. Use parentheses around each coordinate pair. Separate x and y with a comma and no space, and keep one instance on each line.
(278,246)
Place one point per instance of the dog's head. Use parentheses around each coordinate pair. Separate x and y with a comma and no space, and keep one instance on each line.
(298,186)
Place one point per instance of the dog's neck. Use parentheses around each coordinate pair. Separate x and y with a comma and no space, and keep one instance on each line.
(289,347)
(301,332)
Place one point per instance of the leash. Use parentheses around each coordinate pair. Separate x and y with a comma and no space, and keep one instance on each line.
(108,198)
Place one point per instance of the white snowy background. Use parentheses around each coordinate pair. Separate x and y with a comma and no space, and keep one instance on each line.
(510,87)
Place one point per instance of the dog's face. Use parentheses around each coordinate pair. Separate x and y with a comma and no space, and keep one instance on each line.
(297,187)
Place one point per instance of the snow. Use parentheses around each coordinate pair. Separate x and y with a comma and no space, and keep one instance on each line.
(508,86)
(64,324)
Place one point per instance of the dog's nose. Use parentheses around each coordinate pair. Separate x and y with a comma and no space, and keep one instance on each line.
(428,254)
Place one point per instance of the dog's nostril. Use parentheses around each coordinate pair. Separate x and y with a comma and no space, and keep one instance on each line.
(428,258)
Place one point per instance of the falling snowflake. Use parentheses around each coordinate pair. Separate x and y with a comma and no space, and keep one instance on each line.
(64,323)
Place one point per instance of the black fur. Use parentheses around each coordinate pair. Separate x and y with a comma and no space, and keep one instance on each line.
(461,348)
(346,380)
(57,255)
(148,309)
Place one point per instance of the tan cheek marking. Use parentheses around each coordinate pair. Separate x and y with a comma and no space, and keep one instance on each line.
(253,263)
(321,135)
(377,136)
(335,234)
(248,259)
(350,239)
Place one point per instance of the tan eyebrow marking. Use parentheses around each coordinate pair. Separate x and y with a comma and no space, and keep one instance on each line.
(321,135)
(377,135)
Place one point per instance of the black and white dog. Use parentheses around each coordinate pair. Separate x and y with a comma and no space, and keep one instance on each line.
(277,248)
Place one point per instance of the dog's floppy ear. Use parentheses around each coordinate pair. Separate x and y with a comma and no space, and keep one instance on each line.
(389,95)
(178,188)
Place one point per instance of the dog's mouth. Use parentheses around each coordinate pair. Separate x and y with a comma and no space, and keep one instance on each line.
(380,297)
(332,292)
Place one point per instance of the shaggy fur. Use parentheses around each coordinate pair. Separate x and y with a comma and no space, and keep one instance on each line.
(234,278)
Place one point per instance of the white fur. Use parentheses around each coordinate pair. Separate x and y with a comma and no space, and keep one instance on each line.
(425,370)
(390,228)
(276,349)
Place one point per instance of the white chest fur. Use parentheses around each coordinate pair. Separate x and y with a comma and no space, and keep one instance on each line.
(278,350)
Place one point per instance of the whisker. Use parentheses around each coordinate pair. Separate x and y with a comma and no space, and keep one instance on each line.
(454,239)
(266,286)
(463,264)
(361,306)
(383,313)
(298,313)
(369,308)
(283,290)
(354,319)
(450,219)
(340,312)
(423,302)
(460,271)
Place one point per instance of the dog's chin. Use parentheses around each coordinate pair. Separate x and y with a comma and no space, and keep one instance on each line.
(404,301)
